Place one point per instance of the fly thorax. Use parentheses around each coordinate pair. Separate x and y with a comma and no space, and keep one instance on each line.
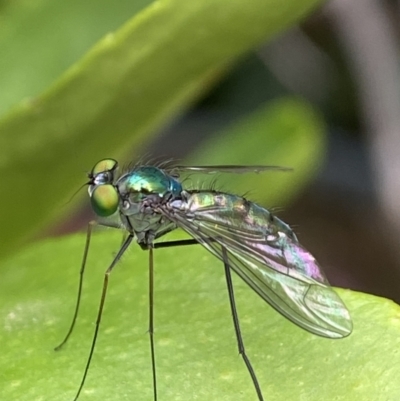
(144,189)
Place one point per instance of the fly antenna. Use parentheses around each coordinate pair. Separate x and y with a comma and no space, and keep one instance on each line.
(75,193)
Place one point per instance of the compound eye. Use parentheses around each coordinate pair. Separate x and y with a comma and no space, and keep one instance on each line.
(104,165)
(104,200)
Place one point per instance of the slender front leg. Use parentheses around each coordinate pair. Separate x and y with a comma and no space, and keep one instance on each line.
(100,311)
(236,324)
(81,273)
(90,227)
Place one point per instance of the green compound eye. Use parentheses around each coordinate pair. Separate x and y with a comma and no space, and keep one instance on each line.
(104,165)
(104,200)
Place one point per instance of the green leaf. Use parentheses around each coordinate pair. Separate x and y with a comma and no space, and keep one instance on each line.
(196,348)
(128,85)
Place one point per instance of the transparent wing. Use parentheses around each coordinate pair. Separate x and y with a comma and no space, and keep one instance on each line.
(277,267)
(236,169)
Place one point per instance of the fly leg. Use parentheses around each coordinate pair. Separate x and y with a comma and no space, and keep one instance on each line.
(100,311)
(81,273)
(236,325)
(90,227)
(150,248)
(123,248)
(151,322)
(169,244)
(241,347)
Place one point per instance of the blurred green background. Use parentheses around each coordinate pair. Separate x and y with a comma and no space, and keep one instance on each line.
(209,82)
(111,90)
(85,80)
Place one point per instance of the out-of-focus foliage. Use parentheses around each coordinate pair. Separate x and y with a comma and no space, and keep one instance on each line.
(286,132)
(114,98)
(39,40)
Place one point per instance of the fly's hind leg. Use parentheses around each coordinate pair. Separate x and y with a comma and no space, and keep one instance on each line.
(240,343)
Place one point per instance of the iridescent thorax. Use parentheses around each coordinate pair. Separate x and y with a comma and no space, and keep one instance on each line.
(147,180)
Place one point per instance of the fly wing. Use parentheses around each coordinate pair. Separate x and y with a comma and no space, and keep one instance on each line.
(235,169)
(271,262)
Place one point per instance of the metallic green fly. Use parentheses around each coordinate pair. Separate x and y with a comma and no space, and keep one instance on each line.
(150,201)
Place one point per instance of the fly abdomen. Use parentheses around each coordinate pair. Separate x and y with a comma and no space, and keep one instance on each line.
(229,209)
